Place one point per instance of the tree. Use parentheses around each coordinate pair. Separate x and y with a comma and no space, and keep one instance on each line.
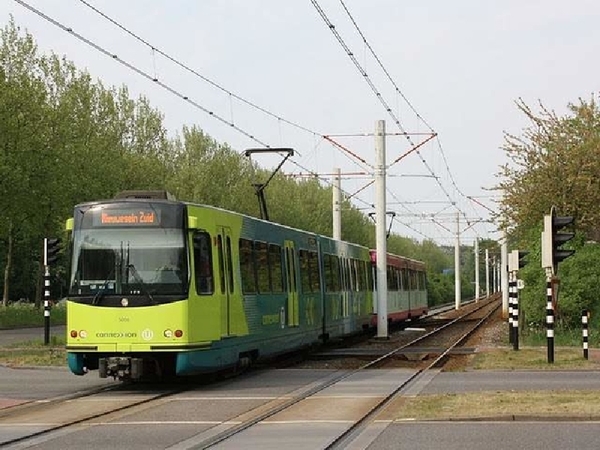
(556,162)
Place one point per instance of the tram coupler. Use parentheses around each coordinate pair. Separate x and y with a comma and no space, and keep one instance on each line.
(121,367)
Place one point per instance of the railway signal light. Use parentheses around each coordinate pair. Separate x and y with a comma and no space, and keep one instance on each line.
(516,260)
(553,238)
(51,250)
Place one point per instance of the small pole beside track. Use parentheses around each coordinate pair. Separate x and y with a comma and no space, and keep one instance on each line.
(584,329)
(512,287)
(46,294)
(515,312)
(549,316)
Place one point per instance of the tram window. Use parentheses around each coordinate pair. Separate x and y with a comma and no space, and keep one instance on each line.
(262,266)
(275,270)
(345,284)
(415,280)
(203,263)
(327,267)
(367,268)
(335,265)
(357,286)
(392,282)
(247,266)
(304,271)
(404,275)
(229,265)
(221,263)
(315,279)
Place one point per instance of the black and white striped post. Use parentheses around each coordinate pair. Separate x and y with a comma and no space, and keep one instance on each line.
(584,328)
(46,294)
(516,314)
(512,289)
(549,317)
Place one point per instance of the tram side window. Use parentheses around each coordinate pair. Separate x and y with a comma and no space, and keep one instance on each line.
(404,275)
(262,266)
(335,264)
(247,268)
(368,268)
(357,285)
(415,279)
(315,279)
(229,264)
(328,266)
(304,271)
(203,263)
(392,279)
(275,270)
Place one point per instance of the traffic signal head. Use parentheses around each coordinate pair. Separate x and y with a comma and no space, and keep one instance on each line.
(516,260)
(522,261)
(553,237)
(52,249)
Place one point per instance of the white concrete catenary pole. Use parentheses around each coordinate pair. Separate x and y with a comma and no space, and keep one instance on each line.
(457,264)
(380,229)
(504,275)
(337,205)
(487,272)
(476,269)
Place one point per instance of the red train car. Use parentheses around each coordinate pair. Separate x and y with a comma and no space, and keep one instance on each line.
(406,286)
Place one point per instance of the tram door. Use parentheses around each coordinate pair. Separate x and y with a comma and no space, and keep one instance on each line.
(293,315)
(225,278)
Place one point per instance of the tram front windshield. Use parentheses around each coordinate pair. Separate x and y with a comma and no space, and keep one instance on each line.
(128,260)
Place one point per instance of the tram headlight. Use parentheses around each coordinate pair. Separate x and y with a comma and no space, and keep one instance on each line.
(169,334)
(81,333)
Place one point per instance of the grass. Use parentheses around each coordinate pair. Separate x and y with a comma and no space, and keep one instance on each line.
(471,405)
(21,315)
(532,358)
(35,353)
(511,404)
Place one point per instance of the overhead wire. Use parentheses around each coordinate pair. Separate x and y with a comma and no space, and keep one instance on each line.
(231,94)
(165,86)
(382,100)
(398,91)
(212,83)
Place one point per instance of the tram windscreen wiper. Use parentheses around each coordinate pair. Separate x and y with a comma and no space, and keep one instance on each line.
(100,292)
(138,278)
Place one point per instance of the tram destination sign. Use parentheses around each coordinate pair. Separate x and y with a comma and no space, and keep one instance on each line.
(129,216)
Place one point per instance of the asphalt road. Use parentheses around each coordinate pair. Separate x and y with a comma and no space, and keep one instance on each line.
(10,337)
(162,427)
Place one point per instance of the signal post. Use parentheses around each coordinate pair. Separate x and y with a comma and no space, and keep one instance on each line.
(516,260)
(51,250)
(552,238)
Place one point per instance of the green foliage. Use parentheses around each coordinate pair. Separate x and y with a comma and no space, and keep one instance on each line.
(555,163)
(579,282)
(27,315)
(67,139)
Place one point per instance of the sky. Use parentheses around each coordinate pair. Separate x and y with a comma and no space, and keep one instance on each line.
(279,71)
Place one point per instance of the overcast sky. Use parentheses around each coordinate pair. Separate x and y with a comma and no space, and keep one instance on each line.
(461,64)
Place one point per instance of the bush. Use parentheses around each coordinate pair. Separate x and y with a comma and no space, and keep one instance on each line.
(22,314)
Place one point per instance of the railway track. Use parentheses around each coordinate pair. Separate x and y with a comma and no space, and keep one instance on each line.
(82,408)
(307,403)
(325,397)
